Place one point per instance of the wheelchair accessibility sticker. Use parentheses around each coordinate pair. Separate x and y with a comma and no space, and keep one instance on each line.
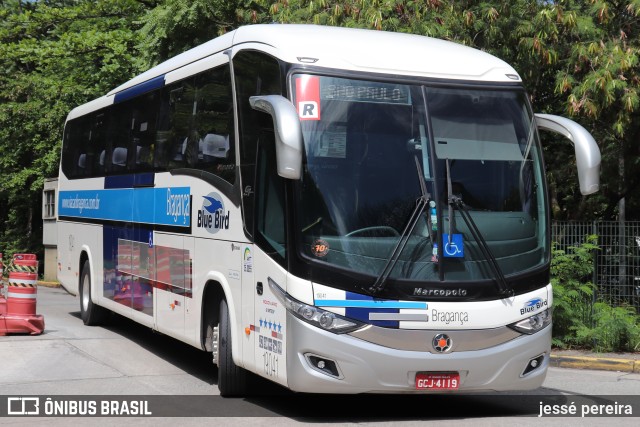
(453,248)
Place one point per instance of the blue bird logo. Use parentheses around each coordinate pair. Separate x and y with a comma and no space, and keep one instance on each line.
(213,206)
(533,302)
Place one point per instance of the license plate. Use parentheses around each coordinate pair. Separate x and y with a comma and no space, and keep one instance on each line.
(437,381)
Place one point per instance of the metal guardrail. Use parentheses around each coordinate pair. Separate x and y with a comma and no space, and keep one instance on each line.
(617,263)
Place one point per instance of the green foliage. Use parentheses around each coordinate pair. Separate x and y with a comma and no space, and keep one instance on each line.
(54,56)
(175,26)
(578,58)
(615,329)
(597,81)
(572,291)
(577,321)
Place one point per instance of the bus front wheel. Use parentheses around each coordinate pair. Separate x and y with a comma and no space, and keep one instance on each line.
(232,379)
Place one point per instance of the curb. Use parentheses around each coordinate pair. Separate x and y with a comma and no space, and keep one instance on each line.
(597,363)
(49,284)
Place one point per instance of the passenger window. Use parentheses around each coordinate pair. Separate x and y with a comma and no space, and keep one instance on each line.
(255,74)
(133,134)
(195,125)
(98,142)
(143,131)
(119,133)
(213,124)
(188,124)
(176,113)
(76,142)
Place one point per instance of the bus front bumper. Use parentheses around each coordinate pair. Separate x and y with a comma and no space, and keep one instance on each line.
(364,367)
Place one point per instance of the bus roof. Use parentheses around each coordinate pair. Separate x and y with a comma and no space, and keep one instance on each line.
(347,49)
(354,50)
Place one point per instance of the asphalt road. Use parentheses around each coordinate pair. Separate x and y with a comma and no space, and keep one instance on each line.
(126,359)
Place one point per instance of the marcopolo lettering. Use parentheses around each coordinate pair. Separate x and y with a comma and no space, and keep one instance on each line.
(533,305)
(440,292)
(213,216)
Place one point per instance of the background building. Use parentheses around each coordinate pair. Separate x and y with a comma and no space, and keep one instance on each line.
(49,233)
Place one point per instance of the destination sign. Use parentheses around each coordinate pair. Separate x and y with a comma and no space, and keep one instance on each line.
(339,89)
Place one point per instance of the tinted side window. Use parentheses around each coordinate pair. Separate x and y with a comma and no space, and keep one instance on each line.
(76,137)
(270,213)
(132,135)
(195,126)
(84,141)
(255,74)
(98,143)
(213,124)
(176,117)
(188,124)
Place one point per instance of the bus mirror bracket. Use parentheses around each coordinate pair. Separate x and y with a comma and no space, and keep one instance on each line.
(586,149)
(287,130)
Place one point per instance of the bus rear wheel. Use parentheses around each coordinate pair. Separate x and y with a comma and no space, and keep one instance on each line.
(91,313)
(232,379)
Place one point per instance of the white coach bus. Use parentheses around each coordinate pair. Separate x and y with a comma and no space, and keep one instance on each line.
(336,210)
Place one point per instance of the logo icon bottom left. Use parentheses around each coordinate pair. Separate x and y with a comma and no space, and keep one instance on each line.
(441,343)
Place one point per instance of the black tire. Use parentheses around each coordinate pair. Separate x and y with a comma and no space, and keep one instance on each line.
(232,379)
(91,313)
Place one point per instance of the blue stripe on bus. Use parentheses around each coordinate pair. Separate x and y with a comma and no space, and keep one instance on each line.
(132,92)
(161,206)
(358,306)
(370,304)
(118,181)
(144,179)
(363,305)
(129,181)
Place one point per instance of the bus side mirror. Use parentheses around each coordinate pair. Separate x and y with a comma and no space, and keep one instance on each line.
(586,149)
(287,130)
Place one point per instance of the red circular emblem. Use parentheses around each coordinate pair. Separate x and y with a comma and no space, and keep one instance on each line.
(320,248)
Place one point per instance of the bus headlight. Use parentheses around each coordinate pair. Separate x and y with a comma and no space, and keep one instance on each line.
(313,315)
(533,324)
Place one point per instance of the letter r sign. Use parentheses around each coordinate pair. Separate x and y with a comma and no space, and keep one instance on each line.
(308,97)
(308,110)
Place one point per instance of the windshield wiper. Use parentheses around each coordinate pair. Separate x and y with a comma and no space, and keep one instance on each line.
(456,202)
(421,204)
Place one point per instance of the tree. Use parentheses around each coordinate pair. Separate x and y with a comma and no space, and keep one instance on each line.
(579,58)
(178,25)
(576,57)
(53,57)
(599,76)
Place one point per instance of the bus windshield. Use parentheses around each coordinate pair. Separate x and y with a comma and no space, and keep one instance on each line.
(360,183)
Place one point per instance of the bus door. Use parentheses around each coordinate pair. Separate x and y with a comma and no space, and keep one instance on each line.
(270,319)
(269,259)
